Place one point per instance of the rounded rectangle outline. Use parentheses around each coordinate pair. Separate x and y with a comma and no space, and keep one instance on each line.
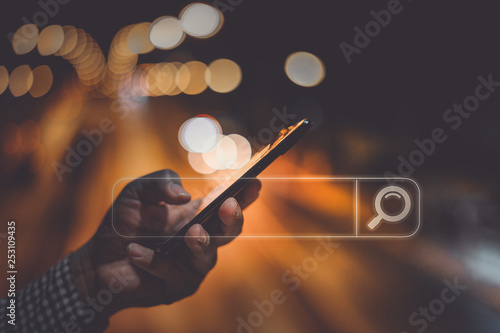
(356,236)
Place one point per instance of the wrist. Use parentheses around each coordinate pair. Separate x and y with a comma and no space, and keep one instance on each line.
(84,272)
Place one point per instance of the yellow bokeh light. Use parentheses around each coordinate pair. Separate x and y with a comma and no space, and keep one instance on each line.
(50,40)
(138,39)
(119,46)
(69,42)
(121,62)
(42,81)
(25,39)
(93,72)
(152,80)
(173,89)
(84,65)
(139,82)
(4,79)
(165,79)
(21,80)
(304,69)
(223,75)
(81,43)
(191,78)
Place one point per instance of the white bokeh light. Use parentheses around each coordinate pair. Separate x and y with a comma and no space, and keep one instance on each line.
(304,69)
(166,33)
(201,20)
(223,156)
(199,134)
(244,151)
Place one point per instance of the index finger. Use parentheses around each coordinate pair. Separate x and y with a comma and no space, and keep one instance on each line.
(164,185)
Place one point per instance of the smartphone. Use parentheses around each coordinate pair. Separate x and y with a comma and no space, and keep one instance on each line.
(261,160)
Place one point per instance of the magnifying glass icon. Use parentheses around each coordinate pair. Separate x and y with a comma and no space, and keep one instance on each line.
(387,192)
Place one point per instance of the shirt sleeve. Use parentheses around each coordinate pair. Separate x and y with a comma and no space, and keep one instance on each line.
(51,304)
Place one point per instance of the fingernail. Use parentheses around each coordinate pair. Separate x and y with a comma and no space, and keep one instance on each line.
(234,207)
(178,190)
(202,237)
(135,252)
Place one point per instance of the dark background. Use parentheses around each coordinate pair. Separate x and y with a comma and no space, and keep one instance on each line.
(367,114)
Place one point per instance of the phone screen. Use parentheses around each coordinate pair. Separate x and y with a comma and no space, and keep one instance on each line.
(234,183)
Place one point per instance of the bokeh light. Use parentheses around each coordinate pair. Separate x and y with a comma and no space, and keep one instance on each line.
(50,40)
(42,81)
(165,79)
(119,46)
(191,78)
(92,71)
(138,39)
(244,151)
(223,75)
(201,20)
(134,85)
(173,67)
(118,73)
(25,39)
(152,79)
(304,69)
(198,163)
(4,79)
(81,43)
(166,33)
(21,80)
(69,42)
(223,156)
(199,134)
(89,47)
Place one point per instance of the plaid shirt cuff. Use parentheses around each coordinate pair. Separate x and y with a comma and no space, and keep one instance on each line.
(52,304)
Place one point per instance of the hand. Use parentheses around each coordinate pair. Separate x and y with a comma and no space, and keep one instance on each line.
(135,274)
